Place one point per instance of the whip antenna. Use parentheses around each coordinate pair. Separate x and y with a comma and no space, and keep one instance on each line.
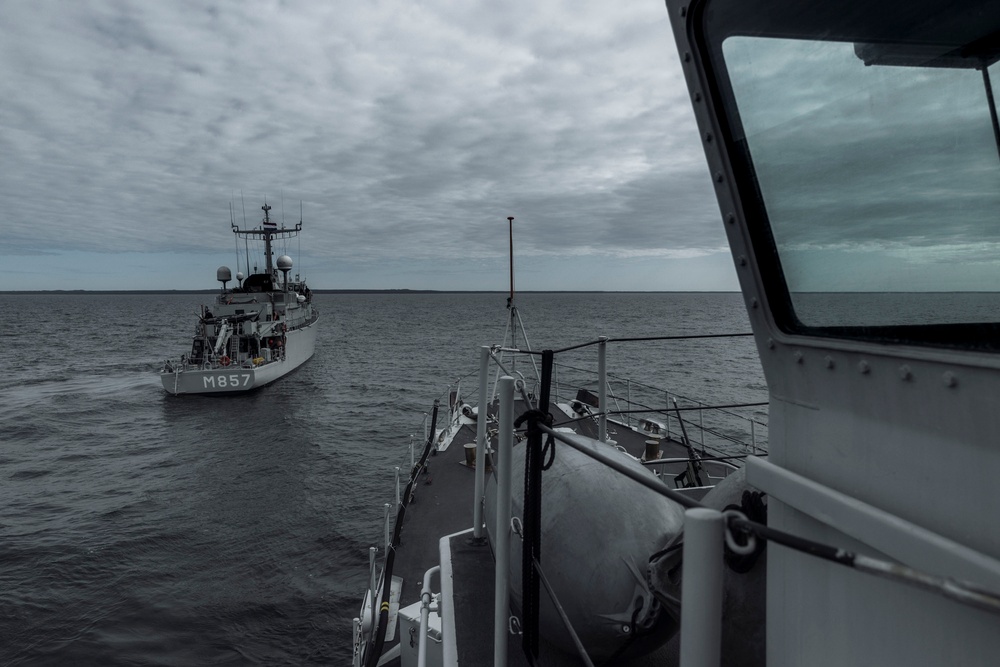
(232,223)
(510,299)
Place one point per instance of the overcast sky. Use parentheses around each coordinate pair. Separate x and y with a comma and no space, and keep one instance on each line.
(875,178)
(409,131)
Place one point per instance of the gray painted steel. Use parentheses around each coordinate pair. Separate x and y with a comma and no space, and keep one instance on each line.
(885,449)
(701,612)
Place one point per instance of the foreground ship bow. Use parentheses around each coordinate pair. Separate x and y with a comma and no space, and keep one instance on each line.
(254,333)
(853,148)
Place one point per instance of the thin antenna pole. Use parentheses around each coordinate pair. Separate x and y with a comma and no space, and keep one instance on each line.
(512,323)
(244,204)
(236,237)
(510,221)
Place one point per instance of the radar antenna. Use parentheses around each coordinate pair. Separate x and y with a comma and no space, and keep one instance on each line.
(268,230)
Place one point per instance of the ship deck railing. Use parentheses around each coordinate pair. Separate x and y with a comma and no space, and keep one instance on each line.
(662,413)
(626,404)
(635,404)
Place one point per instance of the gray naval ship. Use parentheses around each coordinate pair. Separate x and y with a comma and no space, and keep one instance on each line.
(254,333)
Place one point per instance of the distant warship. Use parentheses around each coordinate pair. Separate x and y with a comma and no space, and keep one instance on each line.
(255,333)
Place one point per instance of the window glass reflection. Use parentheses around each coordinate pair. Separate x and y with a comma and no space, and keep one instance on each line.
(876,180)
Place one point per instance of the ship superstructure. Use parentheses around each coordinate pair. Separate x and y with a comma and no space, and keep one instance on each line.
(253,333)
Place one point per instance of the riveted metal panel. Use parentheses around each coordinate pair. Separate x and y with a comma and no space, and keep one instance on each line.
(909,430)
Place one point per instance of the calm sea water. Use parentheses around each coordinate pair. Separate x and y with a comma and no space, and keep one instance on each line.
(142,529)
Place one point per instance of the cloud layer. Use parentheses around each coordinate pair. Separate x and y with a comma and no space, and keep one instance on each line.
(409,131)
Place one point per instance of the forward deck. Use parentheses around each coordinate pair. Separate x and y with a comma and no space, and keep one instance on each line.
(442,504)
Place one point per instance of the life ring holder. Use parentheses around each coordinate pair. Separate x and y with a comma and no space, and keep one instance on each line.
(225,361)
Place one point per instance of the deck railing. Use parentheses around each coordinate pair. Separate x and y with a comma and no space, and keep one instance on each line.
(625,400)
(620,401)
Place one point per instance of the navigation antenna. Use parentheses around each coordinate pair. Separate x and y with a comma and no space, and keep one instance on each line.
(514,322)
(236,239)
(267,231)
(510,224)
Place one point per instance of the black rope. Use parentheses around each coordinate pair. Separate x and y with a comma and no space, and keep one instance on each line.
(531,533)
(963,592)
(549,453)
(532,519)
(817,549)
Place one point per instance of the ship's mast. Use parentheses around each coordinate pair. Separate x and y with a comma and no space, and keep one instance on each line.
(268,231)
(514,323)
(510,223)
(514,319)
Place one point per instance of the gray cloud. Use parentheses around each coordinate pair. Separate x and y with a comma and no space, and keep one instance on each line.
(408,130)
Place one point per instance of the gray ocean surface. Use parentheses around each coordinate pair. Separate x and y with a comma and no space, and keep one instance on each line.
(138,528)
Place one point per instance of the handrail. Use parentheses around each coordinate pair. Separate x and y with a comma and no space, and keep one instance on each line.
(426,595)
(481,445)
(502,548)
(378,633)
(639,401)
(646,339)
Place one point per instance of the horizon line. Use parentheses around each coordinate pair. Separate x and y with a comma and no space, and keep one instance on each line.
(371,291)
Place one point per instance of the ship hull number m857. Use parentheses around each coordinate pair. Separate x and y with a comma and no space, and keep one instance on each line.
(232,381)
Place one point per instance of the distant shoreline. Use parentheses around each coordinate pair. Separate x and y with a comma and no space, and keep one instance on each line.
(82,292)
